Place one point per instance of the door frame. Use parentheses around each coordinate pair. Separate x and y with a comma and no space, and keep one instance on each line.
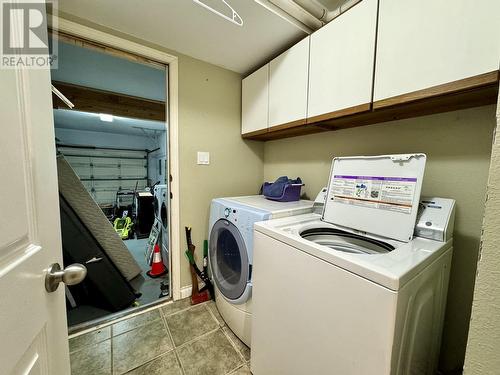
(84,32)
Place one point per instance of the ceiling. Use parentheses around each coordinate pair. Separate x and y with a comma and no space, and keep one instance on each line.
(75,120)
(185,27)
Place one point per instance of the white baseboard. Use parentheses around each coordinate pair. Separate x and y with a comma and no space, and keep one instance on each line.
(185,292)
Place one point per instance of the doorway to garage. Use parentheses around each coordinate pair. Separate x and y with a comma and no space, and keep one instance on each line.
(113,168)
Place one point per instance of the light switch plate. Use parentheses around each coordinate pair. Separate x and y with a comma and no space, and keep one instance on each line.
(203,158)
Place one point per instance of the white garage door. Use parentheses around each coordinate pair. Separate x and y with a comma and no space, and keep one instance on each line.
(105,171)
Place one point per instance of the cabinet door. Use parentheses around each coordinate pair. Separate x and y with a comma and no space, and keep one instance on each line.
(288,77)
(255,101)
(341,64)
(426,43)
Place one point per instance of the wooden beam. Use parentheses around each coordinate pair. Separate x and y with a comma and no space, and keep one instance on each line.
(92,100)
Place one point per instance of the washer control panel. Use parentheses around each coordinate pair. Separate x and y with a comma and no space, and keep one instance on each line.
(435,218)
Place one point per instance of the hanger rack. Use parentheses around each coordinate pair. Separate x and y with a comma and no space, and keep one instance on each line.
(236,19)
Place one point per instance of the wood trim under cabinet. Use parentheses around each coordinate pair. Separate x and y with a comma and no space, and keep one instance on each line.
(475,97)
(469,93)
(291,132)
(255,133)
(287,125)
(262,134)
(444,89)
(340,113)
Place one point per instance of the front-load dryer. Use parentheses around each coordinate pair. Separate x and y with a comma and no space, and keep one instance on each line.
(231,252)
(360,289)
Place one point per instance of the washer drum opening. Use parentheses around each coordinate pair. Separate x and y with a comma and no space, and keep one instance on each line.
(340,240)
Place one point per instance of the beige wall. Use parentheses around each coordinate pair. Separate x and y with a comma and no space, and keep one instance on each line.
(457,145)
(483,347)
(209,120)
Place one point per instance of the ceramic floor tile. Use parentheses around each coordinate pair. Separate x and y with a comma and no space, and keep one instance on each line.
(213,308)
(243,370)
(167,364)
(190,324)
(136,321)
(134,348)
(176,306)
(211,354)
(92,360)
(242,348)
(94,337)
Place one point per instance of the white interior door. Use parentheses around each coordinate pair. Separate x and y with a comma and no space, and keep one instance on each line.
(33,333)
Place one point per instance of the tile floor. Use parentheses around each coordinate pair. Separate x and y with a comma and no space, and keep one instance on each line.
(176,338)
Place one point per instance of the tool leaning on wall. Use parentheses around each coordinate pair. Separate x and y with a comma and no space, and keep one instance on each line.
(207,292)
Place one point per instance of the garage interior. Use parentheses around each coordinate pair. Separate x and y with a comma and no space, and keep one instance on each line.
(111,138)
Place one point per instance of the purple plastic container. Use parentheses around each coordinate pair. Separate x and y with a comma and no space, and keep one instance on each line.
(291,192)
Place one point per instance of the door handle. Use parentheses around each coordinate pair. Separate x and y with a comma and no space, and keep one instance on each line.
(71,275)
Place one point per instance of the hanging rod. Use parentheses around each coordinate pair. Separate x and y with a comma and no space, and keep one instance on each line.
(236,19)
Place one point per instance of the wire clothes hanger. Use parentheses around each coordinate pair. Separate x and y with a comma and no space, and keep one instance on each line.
(236,19)
(61,96)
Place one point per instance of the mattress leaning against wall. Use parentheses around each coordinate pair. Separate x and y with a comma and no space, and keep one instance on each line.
(94,219)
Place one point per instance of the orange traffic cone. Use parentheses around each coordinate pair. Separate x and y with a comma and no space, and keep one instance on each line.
(157,268)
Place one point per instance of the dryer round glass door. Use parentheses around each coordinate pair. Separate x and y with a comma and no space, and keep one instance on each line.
(228,259)
(347,242)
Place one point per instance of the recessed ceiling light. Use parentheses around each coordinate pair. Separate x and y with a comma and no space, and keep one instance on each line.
(105,117)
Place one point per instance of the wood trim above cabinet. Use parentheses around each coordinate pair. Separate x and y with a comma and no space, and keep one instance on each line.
(340,113)
(444,89)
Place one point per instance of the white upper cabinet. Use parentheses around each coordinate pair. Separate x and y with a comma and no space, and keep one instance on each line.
(288,77)
(426,43)
(342,59)
(255,101)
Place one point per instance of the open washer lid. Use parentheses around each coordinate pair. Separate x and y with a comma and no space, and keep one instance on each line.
(376,194)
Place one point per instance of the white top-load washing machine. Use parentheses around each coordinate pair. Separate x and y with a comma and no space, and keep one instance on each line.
(353,291)
(231,252)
